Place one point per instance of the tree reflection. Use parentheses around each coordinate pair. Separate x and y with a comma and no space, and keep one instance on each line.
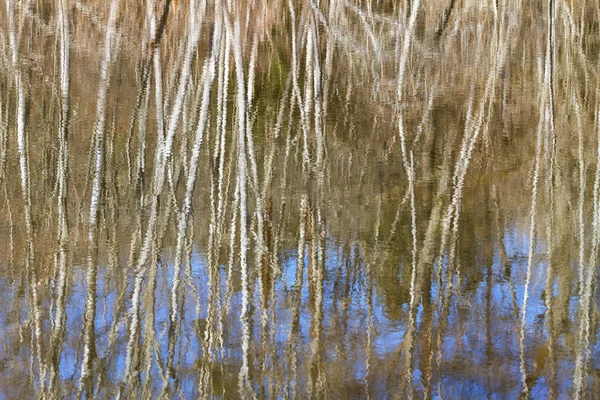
(298,199)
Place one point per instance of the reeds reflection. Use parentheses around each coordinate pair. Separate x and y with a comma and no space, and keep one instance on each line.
(292,199)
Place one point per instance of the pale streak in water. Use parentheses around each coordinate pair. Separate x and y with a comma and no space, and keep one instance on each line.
(22,147)
(59,322)
(89,352)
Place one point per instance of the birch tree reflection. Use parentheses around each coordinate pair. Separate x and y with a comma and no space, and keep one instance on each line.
(299,199)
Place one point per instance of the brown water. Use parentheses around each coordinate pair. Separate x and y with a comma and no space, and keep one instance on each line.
(271,199)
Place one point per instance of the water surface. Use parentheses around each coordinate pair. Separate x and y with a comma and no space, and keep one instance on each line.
(271,199)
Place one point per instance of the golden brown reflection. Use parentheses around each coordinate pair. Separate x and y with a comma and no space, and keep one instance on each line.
(299,199)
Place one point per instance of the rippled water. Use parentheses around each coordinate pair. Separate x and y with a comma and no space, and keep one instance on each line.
(271,199)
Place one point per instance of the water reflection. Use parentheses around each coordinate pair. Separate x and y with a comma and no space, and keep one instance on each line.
(299,199)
